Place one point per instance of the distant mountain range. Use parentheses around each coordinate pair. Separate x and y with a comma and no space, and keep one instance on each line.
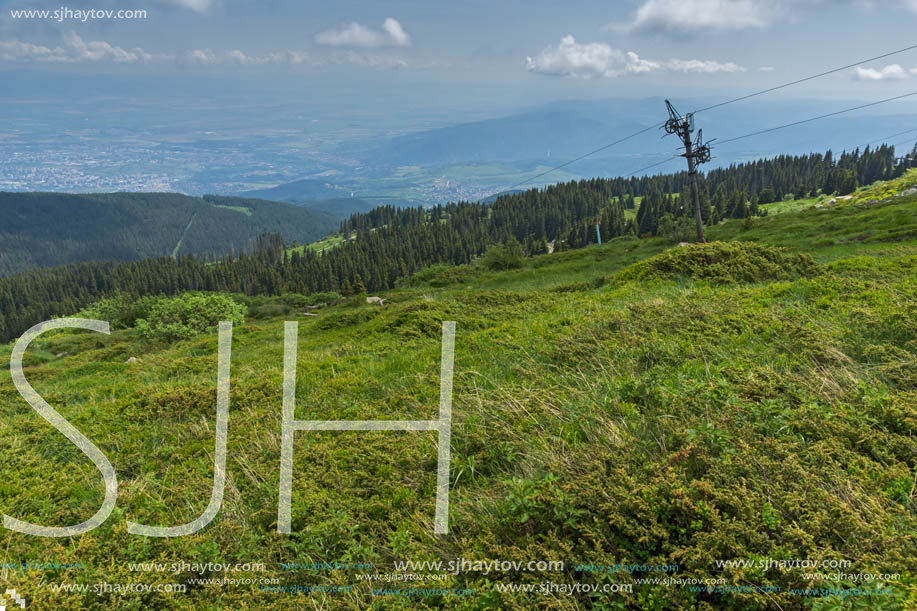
(49,229)
(466,160)
(553,132)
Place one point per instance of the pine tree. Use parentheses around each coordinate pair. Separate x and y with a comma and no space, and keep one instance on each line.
(358,287)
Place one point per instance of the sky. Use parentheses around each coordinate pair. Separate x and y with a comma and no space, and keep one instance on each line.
(147,94)
(511,50)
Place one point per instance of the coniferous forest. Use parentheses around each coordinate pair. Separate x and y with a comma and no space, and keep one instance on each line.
(50,229)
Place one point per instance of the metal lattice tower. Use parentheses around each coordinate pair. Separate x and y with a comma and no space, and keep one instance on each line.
(696,152)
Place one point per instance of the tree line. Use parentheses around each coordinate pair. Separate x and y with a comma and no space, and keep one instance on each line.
(389,243)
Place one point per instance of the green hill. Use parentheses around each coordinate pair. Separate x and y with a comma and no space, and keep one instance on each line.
(49,229)
(615,404)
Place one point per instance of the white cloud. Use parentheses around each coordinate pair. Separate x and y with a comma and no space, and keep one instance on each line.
(636,64)
(597,59)
(892,72)
(201,56)
(766,68)
(14,50)
(293,58)
(357,35)
(99,50)
(367,60)
(74,50)
(207,57)
(198,6)
(692,15)
(571,58)
(707,66)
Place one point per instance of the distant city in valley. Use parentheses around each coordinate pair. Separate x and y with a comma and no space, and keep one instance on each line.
(413,159)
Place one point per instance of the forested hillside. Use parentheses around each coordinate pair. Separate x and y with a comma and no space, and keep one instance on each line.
(393,243)
(50,229)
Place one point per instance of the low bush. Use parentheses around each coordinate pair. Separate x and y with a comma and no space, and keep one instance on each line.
(297,300)
(503,256)
(440,275)
(120,311)
(724,263)
(188,315)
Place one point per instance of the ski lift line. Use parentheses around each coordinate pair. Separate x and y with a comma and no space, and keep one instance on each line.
(580,158)
(732,101)
(902,142)
(808,78)
(649,167)
(809,120)
(887,138)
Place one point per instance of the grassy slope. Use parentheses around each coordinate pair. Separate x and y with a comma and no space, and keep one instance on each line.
(671,421)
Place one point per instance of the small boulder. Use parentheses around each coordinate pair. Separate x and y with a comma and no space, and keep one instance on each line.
(376,300)
(131,360)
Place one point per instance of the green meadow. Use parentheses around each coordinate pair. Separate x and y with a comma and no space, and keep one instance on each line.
(635,403)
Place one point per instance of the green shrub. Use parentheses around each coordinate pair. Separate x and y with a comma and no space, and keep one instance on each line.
(347,318)
(723,262)
(676,230)
(503,256)
(120,311)
(297,300)
(189,315)
(440,275)
(329,297)
(269,310)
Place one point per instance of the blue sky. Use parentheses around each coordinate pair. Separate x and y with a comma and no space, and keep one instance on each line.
(304,88)
(550,50)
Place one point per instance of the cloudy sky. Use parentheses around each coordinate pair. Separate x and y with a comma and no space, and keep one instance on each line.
(512,48)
